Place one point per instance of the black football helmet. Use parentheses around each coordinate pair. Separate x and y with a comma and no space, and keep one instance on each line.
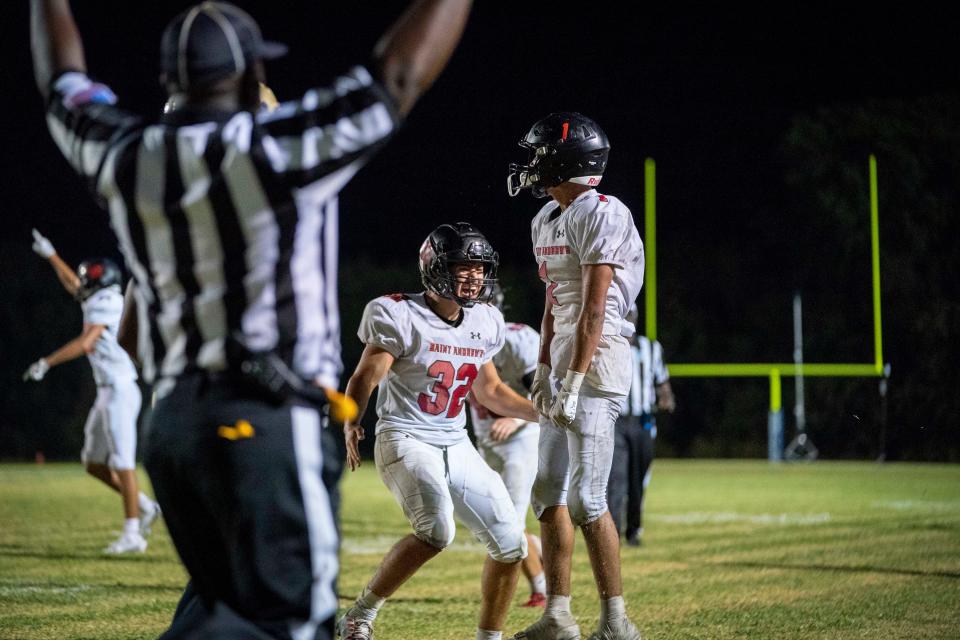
(564,146)
(96,274)
(451,244)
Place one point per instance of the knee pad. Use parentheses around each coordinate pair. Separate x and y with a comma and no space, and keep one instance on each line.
(436,530)
(585,506)
(548,492)
(510,546)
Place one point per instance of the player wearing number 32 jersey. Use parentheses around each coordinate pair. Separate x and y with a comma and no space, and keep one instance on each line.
(426,352)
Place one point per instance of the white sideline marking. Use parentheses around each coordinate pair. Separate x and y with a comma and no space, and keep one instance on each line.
(713,517)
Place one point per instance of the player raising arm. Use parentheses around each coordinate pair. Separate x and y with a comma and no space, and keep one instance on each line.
(227,219)
(110,434)
(426,351)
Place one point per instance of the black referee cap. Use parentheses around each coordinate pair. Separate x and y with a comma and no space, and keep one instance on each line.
(211,41)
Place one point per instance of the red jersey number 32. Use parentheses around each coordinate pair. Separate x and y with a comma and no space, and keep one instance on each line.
(442,399)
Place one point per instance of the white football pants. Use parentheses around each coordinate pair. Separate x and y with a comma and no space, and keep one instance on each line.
(433,483)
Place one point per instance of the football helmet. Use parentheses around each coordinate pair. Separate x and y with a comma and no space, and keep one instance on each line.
(452,244)
(96,274)
(564,146)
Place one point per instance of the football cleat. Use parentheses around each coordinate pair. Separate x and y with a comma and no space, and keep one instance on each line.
(554,627)
(148,518)
(623,631)
(536,600)
(127,543)
(351,628)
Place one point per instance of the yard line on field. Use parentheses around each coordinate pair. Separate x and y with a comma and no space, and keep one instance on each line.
(918,505)
(723,517)
(17,590)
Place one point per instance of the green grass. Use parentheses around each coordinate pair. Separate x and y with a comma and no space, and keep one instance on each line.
(732,550)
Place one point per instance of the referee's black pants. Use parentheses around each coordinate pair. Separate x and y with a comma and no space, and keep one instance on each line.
(239,482)
(632,457)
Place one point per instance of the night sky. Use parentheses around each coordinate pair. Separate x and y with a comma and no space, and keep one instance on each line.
(708,94)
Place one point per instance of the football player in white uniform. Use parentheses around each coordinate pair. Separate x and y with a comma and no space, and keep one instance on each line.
(591,259)
(426,351)
(110,434)
(509,445)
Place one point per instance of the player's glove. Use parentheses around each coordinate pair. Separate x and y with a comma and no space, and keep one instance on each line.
(37,370)
(564,406)
(540,392)
(42,246)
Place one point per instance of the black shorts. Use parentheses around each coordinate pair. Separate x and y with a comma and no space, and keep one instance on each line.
(239,482)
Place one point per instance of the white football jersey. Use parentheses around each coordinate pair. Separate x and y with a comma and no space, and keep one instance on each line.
(436,363)
(594,229)
(518,358)
(110,363)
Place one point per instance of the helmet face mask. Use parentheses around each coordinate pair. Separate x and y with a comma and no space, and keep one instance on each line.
(527,176)
(97,274)
(450,246)
(564,146)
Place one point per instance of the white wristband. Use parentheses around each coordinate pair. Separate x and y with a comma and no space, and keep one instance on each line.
(572,381)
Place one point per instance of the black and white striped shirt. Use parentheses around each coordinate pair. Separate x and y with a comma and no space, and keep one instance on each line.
(649,371)
(228,221)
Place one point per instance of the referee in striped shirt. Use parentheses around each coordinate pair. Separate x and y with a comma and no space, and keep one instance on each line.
(636,430)
(228,221)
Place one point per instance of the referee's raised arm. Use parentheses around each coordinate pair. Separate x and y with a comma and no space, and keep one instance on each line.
(413,52)
(54,41)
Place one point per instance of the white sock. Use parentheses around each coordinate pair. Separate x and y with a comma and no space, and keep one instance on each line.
(538,583)
(557,604)
(483,634)
(612,611)
(146,504)
(368,604)
(131,525)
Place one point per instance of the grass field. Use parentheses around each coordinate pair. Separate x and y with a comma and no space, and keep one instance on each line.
(732,550)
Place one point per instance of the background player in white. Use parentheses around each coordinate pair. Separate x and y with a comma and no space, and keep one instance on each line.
(591,259)
(426,351)
(509,445)
(110,434)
